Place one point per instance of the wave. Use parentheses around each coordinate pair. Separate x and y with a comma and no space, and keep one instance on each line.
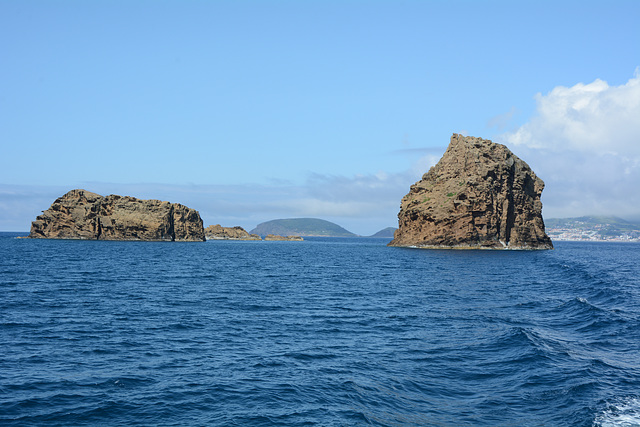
(621,413)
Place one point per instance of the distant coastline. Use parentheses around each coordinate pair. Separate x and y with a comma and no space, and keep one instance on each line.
(593,229)
(595,240)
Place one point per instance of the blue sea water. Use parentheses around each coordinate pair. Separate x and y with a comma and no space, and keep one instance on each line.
(321,332)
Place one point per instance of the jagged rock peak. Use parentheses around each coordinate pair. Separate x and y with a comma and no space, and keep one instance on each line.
(81,214)
(479,195)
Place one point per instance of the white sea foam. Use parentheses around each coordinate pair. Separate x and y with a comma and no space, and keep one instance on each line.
(624,413)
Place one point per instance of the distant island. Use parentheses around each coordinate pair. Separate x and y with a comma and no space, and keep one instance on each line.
(301,227)
(385,233)
(593,228)
(311,227)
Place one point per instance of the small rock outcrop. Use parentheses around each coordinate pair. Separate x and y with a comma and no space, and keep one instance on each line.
(479,195)
(81,214)
(217,232)
(284,238)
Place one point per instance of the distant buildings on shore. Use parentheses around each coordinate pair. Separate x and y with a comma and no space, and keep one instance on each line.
(587,229)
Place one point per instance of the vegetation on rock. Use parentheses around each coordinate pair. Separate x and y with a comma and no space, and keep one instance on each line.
(301,227)
(479,195)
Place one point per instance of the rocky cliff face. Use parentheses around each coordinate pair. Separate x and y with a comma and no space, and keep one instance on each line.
(479,195)
(217,232)
(80,214)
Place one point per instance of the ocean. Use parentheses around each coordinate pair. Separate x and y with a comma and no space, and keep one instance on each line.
(329,332)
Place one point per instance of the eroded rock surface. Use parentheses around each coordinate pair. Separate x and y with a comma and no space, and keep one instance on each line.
(479,195)
(81,214)
(217,232)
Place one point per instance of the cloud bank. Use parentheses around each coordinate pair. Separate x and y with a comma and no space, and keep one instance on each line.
(584,142)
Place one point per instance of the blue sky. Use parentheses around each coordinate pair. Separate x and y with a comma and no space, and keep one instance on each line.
(254,110)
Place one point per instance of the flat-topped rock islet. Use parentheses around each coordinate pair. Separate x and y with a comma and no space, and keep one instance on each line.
(218,232)
(283,238)
(478,196)
(81,214)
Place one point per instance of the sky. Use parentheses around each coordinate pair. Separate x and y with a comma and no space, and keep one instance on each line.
(250,111)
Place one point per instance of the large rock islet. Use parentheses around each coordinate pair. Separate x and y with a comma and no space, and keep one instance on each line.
(81,214)
(479,195)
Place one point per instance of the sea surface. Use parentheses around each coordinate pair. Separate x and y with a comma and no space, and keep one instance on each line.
(330,332)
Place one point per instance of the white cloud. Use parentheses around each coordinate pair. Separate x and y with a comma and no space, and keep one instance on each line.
(584,142)
(595,118)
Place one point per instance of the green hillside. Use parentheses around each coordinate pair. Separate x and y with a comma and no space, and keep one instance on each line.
(386,232)
(301,227)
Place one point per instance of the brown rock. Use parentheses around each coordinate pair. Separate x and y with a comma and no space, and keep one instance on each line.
(287,238)
(217,232)
(72,216)
(80,214)
(479,195)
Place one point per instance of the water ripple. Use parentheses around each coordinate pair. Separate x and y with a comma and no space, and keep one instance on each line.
(323,332)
